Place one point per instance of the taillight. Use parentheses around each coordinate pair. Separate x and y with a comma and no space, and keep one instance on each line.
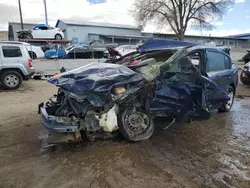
(59,29)
(30,62)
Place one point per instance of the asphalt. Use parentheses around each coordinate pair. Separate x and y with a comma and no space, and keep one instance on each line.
(212,153)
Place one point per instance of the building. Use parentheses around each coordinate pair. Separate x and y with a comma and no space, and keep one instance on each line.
(234,42)
(109,33)
(241,36)
(83,32)
(3,35)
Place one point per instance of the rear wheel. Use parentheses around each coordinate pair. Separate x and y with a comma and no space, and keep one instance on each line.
(244,78)
(58,37)
(11,79)
(246,61)
(226,107)
(136,125)
(29,36)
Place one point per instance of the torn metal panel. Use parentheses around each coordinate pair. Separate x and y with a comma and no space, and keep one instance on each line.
(96,77)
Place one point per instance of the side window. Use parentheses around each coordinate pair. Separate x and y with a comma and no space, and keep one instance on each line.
(43,28)
(11,51)
(215,61)
(85,48)
(77,50)
(227,62)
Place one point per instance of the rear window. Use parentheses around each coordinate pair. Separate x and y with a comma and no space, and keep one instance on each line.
(11,51)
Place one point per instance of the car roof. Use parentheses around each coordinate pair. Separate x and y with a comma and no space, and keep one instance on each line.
(11,42)
(204,47)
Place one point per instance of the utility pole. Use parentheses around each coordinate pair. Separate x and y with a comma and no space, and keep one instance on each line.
(20,11)
(45,9)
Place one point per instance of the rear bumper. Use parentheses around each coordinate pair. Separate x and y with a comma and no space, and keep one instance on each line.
(57,124)
(27,77)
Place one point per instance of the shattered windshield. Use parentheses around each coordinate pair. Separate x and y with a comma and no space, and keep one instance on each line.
(173,59)
(154,67)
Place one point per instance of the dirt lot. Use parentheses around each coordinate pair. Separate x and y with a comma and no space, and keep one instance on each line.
(214,153)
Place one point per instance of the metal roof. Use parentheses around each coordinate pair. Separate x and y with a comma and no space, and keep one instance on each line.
(96,24)
(195,36)
(122,36)
(18,23)
(241,36)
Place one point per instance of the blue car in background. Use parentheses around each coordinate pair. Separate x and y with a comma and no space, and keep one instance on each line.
(60,53)
(55,54)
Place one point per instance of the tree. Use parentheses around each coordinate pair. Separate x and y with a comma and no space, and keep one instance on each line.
(179,14)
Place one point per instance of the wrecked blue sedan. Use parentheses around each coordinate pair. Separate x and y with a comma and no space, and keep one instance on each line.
(103,99)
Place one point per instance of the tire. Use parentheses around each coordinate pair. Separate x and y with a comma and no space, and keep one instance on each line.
(133,131)
(11,79)
(244,79)
(32,55)
(29,36)
(246,61)
(58,37)
(226,107)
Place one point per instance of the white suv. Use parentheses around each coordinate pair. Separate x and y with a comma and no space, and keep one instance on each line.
(15,64)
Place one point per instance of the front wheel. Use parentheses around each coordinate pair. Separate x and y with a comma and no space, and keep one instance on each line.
(136,125)
(244,78)
(29,36)
(226,107)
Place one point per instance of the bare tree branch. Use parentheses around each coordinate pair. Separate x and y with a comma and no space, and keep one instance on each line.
(180,14)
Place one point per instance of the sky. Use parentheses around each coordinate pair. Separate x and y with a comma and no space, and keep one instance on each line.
(235,21)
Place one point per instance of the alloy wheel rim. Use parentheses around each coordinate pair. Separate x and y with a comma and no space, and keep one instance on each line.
(230,102)
(137,122)
(11,80)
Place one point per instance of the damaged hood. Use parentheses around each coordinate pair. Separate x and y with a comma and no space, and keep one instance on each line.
(95,77)
(160,44)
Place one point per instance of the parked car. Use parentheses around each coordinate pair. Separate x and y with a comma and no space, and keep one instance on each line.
(34,51)
(245,74)
(100,99)
(126,49)
(246,57)
(41,31)
(84,52)
(15,64)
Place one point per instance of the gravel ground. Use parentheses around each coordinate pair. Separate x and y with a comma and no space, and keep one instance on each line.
(213,153)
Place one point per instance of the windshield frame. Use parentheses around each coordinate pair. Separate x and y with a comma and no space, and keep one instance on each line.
(168,64)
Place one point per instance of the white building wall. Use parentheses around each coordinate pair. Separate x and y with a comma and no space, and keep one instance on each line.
(82,32)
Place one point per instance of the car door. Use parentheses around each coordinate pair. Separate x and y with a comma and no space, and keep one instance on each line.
(183,91)
(41,32)
(218,68)
(176,89)
(87,53)
(51,32)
